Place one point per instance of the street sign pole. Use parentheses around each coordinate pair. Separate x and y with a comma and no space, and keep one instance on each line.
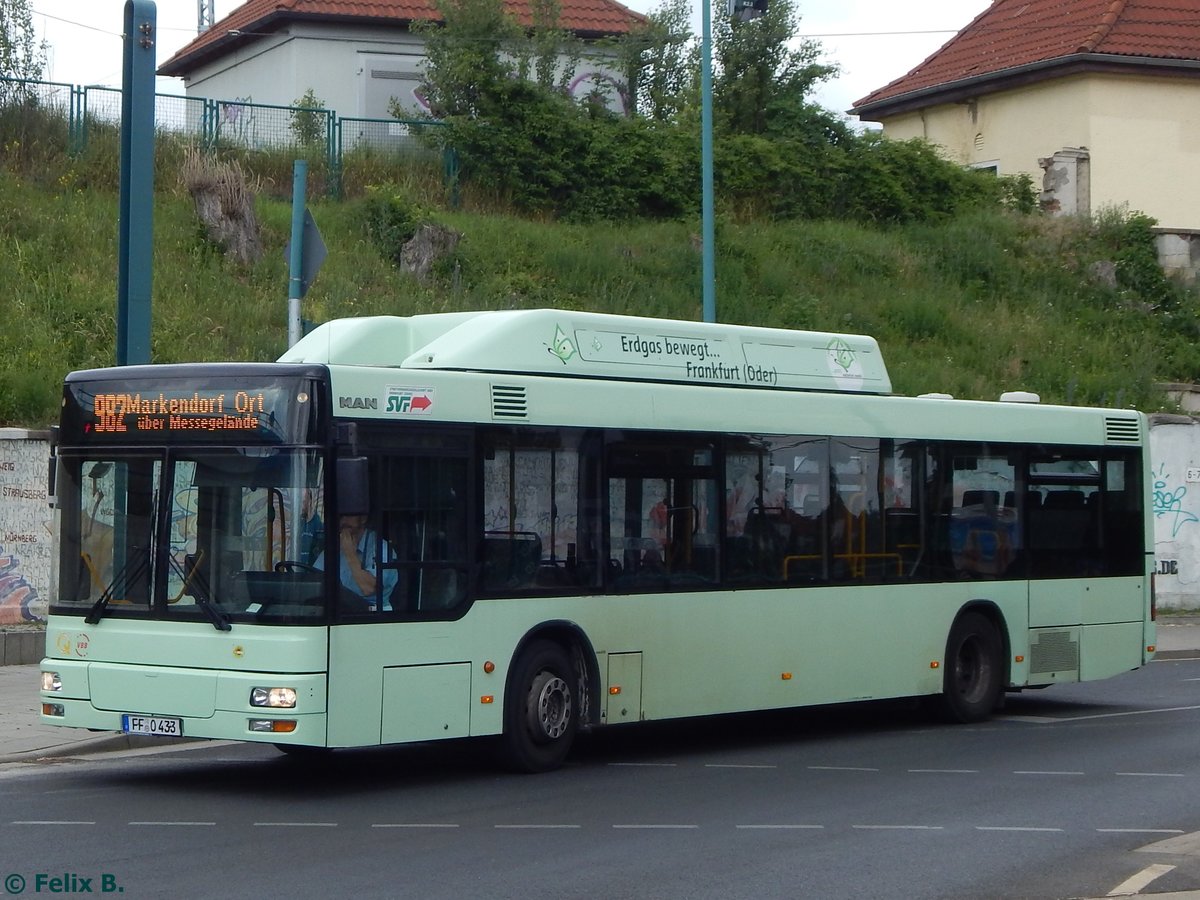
(708,289)
(296,256)
(136,215)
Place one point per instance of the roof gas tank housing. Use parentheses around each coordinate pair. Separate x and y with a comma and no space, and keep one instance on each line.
(567,343)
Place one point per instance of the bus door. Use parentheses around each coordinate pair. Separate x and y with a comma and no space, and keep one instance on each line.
(663,511)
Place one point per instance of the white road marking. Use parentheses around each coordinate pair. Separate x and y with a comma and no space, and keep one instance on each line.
(536,827)
(780,827)
(1012,828)
(735,766)
(413,825)
(1152,774)
(898,827)
(656,827)
(172,823)
(1133,885)
(50,822)
(1140,830)
(1035,772)
(1060,720)
(296,824)
(945,771)
(1180,845)
(843,768)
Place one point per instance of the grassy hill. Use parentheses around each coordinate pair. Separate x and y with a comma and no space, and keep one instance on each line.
(984,303)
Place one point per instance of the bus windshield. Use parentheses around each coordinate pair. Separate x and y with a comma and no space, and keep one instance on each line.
(224,535)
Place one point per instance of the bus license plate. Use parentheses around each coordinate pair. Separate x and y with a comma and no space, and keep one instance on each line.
(157,725)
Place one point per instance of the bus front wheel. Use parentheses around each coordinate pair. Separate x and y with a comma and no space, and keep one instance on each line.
(972,682)
(541,709)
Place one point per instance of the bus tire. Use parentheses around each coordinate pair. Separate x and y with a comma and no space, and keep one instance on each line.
(541,711)
(972,682)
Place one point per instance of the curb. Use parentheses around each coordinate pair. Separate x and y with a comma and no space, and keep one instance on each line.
(107,742)
(1161,655)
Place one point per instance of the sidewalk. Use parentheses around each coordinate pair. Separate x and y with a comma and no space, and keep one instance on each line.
(1178,637)
(24,737)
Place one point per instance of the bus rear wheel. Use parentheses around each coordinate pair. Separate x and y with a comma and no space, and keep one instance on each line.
(972,682)
(541,709)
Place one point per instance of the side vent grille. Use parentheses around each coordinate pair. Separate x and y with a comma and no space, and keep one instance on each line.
(508,402)
(1053,653)
(1122,431)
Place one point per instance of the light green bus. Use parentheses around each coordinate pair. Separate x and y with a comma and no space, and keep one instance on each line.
(539,522)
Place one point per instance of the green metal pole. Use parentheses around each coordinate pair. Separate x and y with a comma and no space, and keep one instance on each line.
(136,228)
(709,291)
(296,256)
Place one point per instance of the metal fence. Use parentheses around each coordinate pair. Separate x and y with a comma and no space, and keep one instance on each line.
(319,134)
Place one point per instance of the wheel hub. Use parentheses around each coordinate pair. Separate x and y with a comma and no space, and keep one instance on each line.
(549,709)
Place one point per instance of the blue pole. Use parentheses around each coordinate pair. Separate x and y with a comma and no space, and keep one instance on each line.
(296,256)
(136,228)
(709,278)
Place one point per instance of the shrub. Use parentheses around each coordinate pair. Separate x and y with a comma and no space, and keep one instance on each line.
(390,218)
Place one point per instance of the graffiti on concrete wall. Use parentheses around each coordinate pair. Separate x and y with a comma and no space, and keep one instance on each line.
(17,595)
(1169,502)
(25,534)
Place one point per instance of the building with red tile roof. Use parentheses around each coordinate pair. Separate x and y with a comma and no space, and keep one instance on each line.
(1090,97)
(353,54)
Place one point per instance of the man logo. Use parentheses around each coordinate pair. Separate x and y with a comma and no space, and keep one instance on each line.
(358,403)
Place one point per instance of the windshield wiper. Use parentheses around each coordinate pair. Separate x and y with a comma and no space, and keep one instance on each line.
(200,592)
(97,611)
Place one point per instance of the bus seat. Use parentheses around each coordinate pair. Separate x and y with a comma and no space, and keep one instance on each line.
(981,498)
(1064,500)
(440,588)
(510,559)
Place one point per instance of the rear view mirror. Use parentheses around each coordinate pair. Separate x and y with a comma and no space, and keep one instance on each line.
(353,491)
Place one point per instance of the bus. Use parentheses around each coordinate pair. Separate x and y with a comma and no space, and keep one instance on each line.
(527,524)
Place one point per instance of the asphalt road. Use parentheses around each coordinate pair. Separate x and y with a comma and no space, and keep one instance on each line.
(1068,793)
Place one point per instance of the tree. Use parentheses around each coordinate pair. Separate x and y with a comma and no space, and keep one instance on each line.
(464,55)
(539,56)
(21,57)
(663,63)
(763,76)
(309,120)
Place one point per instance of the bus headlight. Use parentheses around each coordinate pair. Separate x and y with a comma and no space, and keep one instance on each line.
(51,681)
(279,698)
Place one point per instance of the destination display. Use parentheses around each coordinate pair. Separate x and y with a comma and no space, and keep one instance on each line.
(238,410)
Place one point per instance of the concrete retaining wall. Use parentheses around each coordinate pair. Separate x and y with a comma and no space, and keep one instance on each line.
(22,648)
(1175,495)
(26,527)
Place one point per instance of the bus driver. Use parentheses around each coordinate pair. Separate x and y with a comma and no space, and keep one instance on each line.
(359,546)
